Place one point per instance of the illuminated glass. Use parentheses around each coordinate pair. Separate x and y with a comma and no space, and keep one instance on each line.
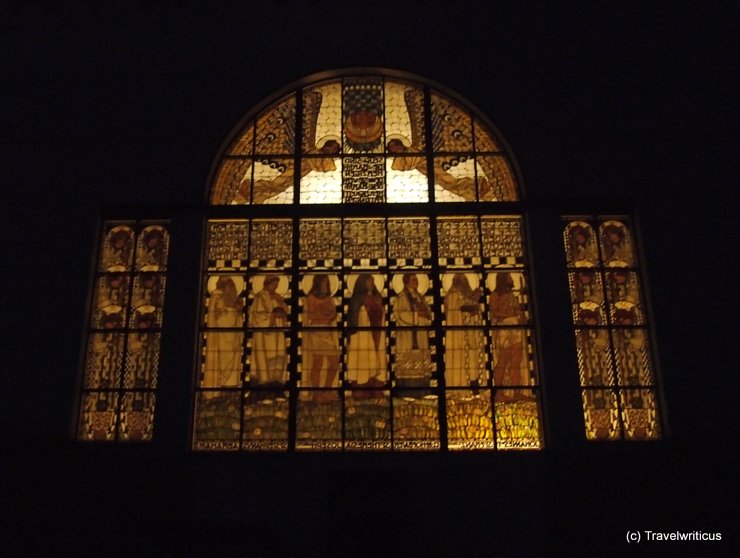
(122,361)
(612,339)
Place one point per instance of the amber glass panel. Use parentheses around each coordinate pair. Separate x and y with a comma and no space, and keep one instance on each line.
(502,241)
(321,180)
(406,178)
(227,244)
(469,423)
(581,248)
(272,181)
(104,358)
(322,118)
(137,416)
(271,243)
(99,414)
(409,240)
(484,139)
(363,180)
(495,179)
(244,142)
(265,425)
(454,178)
(267,321)
(415,420)
(517,420)
(217,423)
(363,115)
(320,240)
(117,249)
(640,416)
(111,299)
(594,357)
(601,414)
(142,360)
(452,127)
(458,239)
(364,239)
(319,420)
(623,294)
(320,357)
(233,183)
(276,129)
(616,244)
(633,357)
(367,419)
(404,118)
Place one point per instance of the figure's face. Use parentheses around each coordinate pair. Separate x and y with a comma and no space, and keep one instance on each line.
(614,238)
(413,283)
(580,238)
(152,242)
(323,284)
(271,287)
(584,278)
(370,284)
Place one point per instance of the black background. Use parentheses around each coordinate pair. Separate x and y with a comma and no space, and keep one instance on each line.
(128,103)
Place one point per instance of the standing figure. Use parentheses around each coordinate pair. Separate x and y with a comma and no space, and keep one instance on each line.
(508,342)
(223,364)
(463,347)
(413,359)
(268,310)
(321,346)
(366,358)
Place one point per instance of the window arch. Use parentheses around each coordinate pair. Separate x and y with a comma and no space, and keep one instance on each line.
(365,281)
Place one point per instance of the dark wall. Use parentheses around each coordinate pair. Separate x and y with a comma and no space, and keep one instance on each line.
(129,103)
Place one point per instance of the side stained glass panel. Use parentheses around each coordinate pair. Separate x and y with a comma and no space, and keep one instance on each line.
(612,339)
(122,360)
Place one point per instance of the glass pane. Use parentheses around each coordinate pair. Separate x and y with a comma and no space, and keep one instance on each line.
(517,420)
(404,117)
(268,315)
(147,300)
(616,244)
(137,416)
(227,244)
(366,360)
(633,357)
(484,139)
(364,239)
(152,249)
(452,128)
(322,117)
(415,420)
(639,414)
(98,416)
(319,420)
(508,303)
(104,359)
(363,180)
(320,240)
(271,243)
(276,128)
(594,358)
(217,420)
(458,240)
(502,241)
(367,419)
(117,249)
(580,245)
(362,115)
(273,181)
(406,177)
(454,178)
(233,183)
(624,297)
(320,337)
(265,420)
(321,179)
(222,360)
(601,414)
(513,357)
(495,179)
(142,360)
(111,298)
(587,297)
(409,241)
(244,142)
(465,358)
(469,424)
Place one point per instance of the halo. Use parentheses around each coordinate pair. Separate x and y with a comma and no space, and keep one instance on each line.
(307,282)
(473,280)
(592,306)
(516,276)
(397,282)
(377,278)
(237,279)
(258,282)
(328,137)
(400,137)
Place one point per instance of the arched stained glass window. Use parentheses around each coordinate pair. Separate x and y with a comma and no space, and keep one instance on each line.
(370,291)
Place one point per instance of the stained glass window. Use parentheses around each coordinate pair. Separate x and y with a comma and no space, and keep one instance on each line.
(611,329)
(122,358)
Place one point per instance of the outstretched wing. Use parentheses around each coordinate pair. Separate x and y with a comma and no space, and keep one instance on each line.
(276,129)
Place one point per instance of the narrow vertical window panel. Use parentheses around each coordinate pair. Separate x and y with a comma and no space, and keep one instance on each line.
(217,420)
(587,297)
(413,351)
(594,357)
(616,244)
(452,127)
(406,179)
(364,241)
(623,295)
(267,322)
(601,414)
(222,357)
(581,248)
(485,141)
(275,128)
(271,243)
(320,242)
(632,354)
(458,241)
(409,241)
(98,416)
(137,416)
(469,422)
(454,178)
(321,180)
(322,117)
(265,425)
(147,300)
(233,182)
(465,357)
(495,179)
(142,360)
(366,344)
(227,244)
(152,249)
(404,117)
(367,420)
(117,250)
(363,180)
(513,357)
(319,420)
(415,420)
(517,420)
(111,299)
(104,359)
(639,414)
(272,181)
(502,241)
(362,115)
(244,142)
(319,340)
